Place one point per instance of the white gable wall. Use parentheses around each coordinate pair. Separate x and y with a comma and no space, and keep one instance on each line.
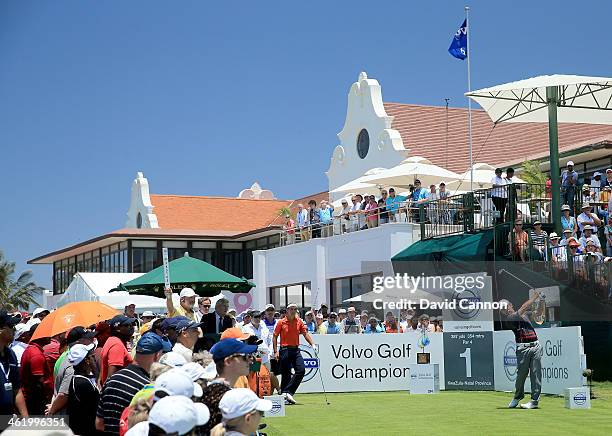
(365,110)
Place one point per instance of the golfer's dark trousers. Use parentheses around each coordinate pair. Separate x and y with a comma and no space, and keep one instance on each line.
(291,358)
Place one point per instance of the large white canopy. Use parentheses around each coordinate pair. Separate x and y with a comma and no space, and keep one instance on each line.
(415,167)
(483,174)
(358,186)
(582,99)
(96,287)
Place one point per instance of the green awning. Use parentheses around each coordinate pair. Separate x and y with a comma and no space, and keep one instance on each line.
(205,279)
(464,247)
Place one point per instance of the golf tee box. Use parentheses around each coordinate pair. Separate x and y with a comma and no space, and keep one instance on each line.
(578,398)
(424,378)
(278,406)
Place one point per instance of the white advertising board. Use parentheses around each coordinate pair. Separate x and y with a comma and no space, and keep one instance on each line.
(377,362)
(561,360)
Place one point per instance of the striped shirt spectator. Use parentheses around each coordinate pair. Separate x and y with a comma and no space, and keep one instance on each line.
(117,394)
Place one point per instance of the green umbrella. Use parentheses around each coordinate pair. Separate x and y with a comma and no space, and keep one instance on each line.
(206,280)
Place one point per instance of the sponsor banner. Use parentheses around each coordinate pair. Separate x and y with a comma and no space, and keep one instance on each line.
(468,313)
(561,360)
(376,362)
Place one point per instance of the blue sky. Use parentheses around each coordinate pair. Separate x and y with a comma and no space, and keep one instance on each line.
(206,97)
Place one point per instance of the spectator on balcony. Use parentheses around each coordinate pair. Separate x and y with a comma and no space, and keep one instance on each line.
(593,253)
(548,187)
(588,196)
(569,179)
(587,235)
(499,194)
(371,211)
(361,216)
(289,227)
(608,180)
(354,212)
(596,184)
(518,241)
(567,234)
(383,216)
(604,197)
(373,326)
(568,222)
(301,219)
(326,214)
(393,203)
(314,219)
(419,195)
(345,217)
(538,239)
(331,326)
(576,257)
(587,217)
(608,235)
(558,252)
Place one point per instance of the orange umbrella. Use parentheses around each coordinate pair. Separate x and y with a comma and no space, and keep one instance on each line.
(79,313)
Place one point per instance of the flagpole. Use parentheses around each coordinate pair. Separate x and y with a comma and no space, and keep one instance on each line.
(469,79)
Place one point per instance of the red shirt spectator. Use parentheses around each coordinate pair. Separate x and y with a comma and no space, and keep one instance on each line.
(36,379)
(114,353)
(52,352)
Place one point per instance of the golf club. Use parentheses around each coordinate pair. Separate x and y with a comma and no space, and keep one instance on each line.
(501,271)
(321,375)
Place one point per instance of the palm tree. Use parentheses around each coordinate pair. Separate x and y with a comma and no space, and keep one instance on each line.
(18,293)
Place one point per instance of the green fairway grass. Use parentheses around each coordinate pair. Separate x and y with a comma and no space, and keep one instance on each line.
(449,412)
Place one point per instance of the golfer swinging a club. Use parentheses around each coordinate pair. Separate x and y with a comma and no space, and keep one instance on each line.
(289,330)
(528,351)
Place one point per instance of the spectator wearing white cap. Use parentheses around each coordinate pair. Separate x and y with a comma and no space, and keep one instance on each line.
(569,179)
(341,314)
(558,253)
(23,333)
(332,326)
(172,415)
(186,303)
(587,217)
(40,313)
(607,181)
(242,411)
(83,394)
(596,184)
(147,316)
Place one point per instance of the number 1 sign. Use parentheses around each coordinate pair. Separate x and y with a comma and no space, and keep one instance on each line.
(468,361)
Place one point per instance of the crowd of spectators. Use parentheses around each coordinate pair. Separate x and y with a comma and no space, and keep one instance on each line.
(151,374)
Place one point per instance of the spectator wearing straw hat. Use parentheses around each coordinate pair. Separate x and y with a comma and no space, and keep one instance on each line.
(587,217)
(568,221)
(569,179)
(558,253)
(587,235)
(351,324)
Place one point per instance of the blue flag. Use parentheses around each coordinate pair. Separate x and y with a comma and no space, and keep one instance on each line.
(459,46)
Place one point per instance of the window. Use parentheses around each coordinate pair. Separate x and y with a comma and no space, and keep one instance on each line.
(144,259)
(363,143)
(206,255)
(175,253)
(232,262)
(348,287)
(298,293)
(139,221)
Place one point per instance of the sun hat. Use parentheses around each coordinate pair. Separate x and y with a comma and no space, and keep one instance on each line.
(240,401)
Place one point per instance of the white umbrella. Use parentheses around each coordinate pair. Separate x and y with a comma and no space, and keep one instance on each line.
(553,99)
(483,174)
(358,186)
(415,167)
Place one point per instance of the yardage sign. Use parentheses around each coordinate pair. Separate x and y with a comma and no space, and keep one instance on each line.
(468,361)
(166,268)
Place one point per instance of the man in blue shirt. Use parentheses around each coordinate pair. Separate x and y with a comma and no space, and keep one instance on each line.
(569,179)
(326,216)
(9,368)
(419,195)
(331,327)
(392,205)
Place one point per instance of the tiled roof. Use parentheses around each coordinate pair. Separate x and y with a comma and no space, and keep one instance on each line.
(304,201)
(214,213)
(423,131)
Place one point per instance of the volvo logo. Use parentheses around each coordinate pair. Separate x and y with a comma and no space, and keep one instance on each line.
(276,407)
(510,366)
(311,363)
(469,296)
(580,398)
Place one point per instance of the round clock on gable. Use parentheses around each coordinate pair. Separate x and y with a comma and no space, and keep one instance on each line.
(363,143)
